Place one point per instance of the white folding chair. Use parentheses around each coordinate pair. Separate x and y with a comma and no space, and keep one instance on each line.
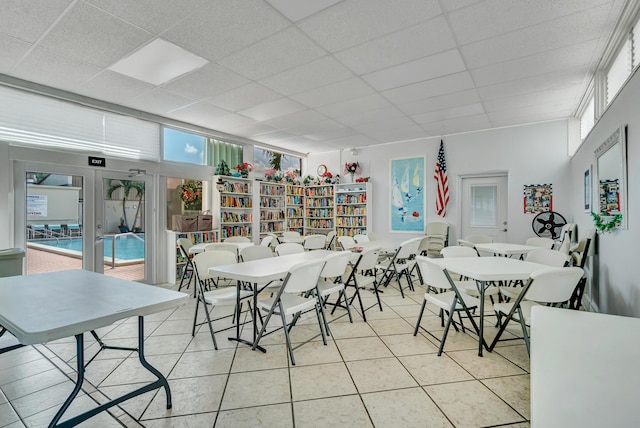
(240,239)
(298,294)
(549,286)
(289,248)
(314,242)
(187,271)
(450,301)
(437,237)
(586,248)
(346,242)
(362,275)
(541,242)
(360,238)
(332,282)
(543,256)
(330,240)
(401,263)
(218,296)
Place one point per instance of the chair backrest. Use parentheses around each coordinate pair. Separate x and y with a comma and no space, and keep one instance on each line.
(314,242)
(336,264)
(221,246)
(255,252)
(458,251)
(368,260)
(290,234)
(439,228)
(289,248)
(203,261)
(330,240)
(547,257)
(432,274)
(407,248)
(184,244)
(237,239)
(346,242)
(479,239)
(541,242)
(586,247)
(554,285)
(303,277)
(266,241)
(360,238)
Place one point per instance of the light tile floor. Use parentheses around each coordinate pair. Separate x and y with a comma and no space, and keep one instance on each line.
(370,374)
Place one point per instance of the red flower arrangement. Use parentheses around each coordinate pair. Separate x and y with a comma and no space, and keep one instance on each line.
(352,168)
(244,169)
(190,193)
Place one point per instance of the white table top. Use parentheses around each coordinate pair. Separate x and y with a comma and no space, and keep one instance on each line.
(584,369)
(264,270)
(45,307)
(489,268)
(296,240)
(377,245)
(505,249)
(198,248)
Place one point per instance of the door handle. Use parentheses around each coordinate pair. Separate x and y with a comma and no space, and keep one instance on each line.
(99,238)
(504,230)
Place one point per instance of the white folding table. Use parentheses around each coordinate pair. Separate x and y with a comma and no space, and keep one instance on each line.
(584,369)
(262,271)
(198,248)
(50,306)
(504,249)
(484,270)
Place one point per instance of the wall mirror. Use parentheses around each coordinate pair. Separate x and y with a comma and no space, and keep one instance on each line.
(611,181)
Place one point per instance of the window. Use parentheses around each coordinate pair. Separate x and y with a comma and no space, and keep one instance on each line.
(587,119)
(185,147)
(484,205)
(619,71)
(264,159)
(636,43)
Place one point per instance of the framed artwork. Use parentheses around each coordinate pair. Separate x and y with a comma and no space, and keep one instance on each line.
(407,201)
(587,190)
(538,198)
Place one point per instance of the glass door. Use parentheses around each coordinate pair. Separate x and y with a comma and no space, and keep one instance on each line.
(122,220)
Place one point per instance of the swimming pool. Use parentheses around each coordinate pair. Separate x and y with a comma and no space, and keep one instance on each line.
(128,248)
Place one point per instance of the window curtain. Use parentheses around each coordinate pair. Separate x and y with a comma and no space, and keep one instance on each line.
(221,150)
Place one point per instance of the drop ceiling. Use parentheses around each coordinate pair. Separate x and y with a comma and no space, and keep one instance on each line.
(315,76)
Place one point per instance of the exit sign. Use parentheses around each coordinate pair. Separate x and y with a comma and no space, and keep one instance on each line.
(101,162)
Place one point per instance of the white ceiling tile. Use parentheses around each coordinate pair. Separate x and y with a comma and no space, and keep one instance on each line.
(528,115)
(302,146)
(576,58)
(362,104)
(244,97)
(94,36)
(275,136)
(296,10)
(356,21)
(251,130)
(492,17)
(205,82)
(451,113)
(152,15)
(565,31)
(198,113)
(455,99)
(384,124)
(113,87)
(532,84)
(28,20)
(223,27)
(300,118)
(226,122)
(404,133)
(361,117)
(430,88)
(458,124)
(544,99)
(350,141)
(314,74)
(158,101)
(272,109)
(450,5)
(430,67)
(274,54)
(334,93)
(326,125)
(11,51)
(61,72)
(424,39)
(331,135)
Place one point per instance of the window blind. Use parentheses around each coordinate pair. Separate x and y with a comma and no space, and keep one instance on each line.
(636,44)
(35,120)
(619,71)
(587,119)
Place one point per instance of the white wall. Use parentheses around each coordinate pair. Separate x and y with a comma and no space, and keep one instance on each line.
(530,154)
(615,286)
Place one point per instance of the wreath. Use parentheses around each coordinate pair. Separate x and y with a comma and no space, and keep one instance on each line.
(606,222)
(190,193)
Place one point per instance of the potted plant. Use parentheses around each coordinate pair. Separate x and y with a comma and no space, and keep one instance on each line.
(123,226)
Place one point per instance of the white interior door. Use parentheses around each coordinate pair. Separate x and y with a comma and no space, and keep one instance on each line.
(484,207)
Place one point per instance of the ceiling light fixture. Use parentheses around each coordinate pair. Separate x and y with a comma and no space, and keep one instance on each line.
(354,152)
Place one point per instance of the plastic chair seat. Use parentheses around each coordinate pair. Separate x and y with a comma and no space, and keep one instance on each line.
(445,300)
(224,295)
(291,303)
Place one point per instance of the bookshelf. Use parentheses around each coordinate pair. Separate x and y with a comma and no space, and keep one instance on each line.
(272,207)
(319,213)
(233,206)
(353,209)
(174,269)
(294,205)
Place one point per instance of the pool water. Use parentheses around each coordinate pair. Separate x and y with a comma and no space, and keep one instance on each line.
(127,247)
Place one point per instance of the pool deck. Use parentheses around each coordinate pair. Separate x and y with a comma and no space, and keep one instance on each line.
(44,261)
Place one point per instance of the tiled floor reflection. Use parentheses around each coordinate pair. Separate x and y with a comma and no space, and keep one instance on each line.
(369,374)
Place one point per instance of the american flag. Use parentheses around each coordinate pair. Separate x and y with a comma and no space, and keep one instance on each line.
(442,181)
